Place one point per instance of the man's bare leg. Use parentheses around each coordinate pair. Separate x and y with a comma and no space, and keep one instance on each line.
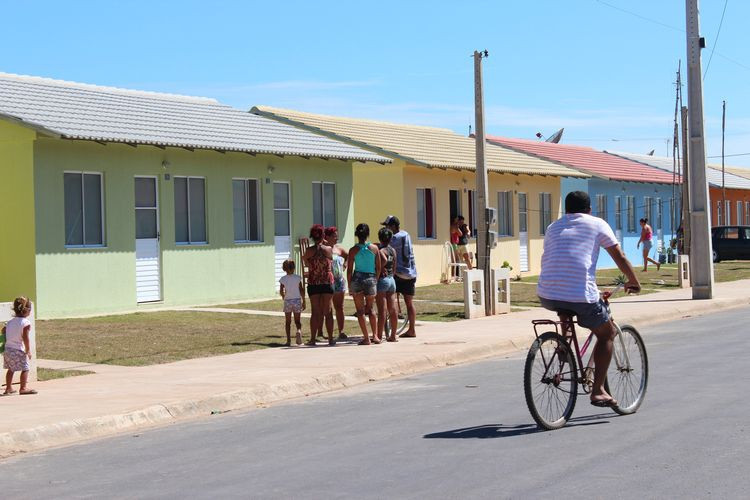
(412,314)
(605,334)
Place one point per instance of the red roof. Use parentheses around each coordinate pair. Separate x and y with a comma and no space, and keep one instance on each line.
(588,160)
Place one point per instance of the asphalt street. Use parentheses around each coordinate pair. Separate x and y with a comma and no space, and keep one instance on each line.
(461,432)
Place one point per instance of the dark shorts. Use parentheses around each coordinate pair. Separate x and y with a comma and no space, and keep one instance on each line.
(319,289)
(405,286)
(590,315)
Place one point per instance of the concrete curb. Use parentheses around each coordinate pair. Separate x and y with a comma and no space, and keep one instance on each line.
(65,433)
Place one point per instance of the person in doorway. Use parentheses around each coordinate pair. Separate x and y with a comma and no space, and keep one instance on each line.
(386,296)
(406,269)
(463,241)
(17,349)
(293,293)
(568,279)
(362,271)
(319,260)
(340,255)
(647,238)
(455,234)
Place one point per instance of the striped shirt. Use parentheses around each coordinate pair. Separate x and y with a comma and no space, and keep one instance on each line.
(571,249)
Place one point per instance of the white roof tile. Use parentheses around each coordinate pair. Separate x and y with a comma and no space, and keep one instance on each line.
(666,163)
(80,111)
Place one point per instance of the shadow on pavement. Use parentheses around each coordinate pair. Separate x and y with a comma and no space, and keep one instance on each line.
(491,431)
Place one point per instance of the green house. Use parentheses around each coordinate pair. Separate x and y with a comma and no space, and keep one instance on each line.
(113,200)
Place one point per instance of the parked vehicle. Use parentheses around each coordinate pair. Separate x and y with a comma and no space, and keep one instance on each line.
(730,242)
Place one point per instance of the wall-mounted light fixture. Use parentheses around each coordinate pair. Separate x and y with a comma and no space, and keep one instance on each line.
(271,168)
(165,164)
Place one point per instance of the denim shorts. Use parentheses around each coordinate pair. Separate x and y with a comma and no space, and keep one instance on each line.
(387,285)
(365,283)
(590,315)
(648,245)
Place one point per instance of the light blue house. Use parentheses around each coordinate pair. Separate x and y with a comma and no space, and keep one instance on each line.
(622,192)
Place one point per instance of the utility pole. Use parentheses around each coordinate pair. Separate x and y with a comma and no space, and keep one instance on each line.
(701,262)
(675,153)
(483,247)
(724,210)
(685,202)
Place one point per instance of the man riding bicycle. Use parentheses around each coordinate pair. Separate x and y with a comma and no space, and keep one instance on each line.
(568,279)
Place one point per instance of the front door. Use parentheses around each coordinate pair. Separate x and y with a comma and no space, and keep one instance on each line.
(523,232)
(147,268)
(282,220)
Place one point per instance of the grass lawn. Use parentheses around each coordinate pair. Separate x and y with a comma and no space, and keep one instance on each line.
(155,337)
(43,374)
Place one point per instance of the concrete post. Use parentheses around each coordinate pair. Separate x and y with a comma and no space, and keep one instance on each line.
(474,305)
(6,313)
(501,291)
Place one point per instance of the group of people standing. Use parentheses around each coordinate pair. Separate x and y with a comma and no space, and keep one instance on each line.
(372,273)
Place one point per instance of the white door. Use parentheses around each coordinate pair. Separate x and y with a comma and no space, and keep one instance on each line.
(282,220)
(523,232)
(147,268)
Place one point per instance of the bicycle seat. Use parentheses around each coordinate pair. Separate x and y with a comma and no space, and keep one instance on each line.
(565,312)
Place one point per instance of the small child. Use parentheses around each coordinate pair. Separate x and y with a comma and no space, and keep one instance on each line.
(294,300)
(17,351)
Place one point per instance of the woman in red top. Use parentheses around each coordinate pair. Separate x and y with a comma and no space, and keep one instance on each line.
(319,260)
(647,238)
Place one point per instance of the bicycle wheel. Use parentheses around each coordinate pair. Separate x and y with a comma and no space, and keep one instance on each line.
(627,376)
(403,317)
(550,381)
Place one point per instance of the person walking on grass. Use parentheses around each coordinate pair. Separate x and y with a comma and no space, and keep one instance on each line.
(17,350)
(293,293)
(319,260)
(340,256)
(406,270)
(647,238)
(362,272)
(386,296)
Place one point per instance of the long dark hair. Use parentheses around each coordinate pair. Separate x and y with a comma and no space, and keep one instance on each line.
(362,231)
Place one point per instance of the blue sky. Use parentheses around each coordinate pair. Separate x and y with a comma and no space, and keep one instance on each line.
(603,70)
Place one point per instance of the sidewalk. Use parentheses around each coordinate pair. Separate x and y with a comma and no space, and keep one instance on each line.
(120,399)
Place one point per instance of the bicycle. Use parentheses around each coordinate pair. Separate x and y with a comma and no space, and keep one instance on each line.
(403,318)
(552,374)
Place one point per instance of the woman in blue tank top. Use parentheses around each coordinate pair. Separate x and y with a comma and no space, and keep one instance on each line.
(361,273)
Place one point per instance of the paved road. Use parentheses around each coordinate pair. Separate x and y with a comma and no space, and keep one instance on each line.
(462,432)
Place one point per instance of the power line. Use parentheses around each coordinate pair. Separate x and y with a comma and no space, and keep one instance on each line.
(716,40)
(738,154)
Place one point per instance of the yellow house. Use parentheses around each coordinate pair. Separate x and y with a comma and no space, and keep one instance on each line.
(432,178)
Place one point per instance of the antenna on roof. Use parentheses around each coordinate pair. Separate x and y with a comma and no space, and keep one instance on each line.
(651,153)
(470,130)
(538,135)
(555,138)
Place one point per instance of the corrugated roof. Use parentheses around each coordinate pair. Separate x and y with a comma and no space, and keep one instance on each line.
(90,112)
(425,146)
(742,172)
(588,160)
(665,163)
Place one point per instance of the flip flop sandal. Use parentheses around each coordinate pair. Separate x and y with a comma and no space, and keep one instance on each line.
(363,342)
(604,403)
(26,393)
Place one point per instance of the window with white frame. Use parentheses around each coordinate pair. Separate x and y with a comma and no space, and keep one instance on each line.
(719,215)
(747,213)
(618,213)
(659,215)
(505,213)
(648,209)
(425,213)
(324,203)
(84,202)
(545,212)
(601,206)
(246,205)
(190,210)
(728,212)
(631,213)
(739,212)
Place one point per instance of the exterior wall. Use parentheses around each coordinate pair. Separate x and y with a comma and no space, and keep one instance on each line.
(17,271)
(429,252)
(379,193)
(73,282)
(613,189)
(733,196)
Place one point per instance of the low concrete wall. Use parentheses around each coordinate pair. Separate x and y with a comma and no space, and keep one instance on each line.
(6,313)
